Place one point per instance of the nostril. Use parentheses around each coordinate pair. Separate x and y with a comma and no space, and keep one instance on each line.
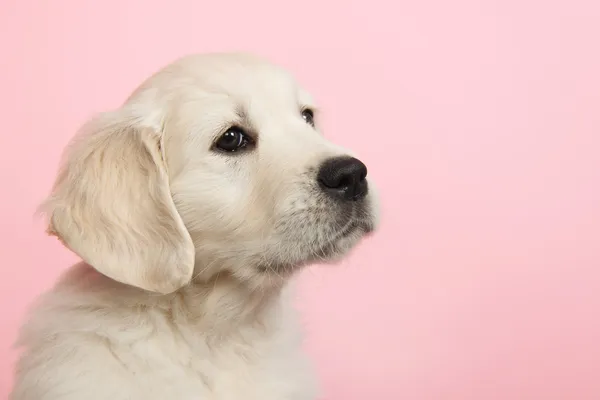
(331,181)
(346,181)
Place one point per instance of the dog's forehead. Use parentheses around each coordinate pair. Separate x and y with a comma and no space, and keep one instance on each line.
(218,87)
(252,82)
(244,77)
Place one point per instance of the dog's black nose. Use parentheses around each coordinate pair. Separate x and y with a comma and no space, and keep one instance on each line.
(344,178)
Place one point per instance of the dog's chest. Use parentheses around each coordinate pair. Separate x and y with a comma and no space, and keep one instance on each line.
(243,366)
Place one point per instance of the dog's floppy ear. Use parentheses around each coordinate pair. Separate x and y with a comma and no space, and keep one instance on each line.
(112,206)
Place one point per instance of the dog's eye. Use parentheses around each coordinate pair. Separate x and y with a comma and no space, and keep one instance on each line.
(232,140)
(309,117)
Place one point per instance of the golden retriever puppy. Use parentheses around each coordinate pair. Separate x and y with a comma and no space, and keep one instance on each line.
(192,206)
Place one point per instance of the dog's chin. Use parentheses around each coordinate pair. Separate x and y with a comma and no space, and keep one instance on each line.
(338,249)
(327,252)
(294,249)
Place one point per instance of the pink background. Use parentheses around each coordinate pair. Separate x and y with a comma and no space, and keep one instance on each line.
(480,120)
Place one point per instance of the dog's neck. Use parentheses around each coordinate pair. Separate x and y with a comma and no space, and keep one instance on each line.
(221,305)
(225,302)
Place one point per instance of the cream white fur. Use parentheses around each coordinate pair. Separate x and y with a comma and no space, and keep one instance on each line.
(183,292)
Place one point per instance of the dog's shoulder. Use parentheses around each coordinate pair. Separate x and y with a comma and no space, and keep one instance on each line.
(89,332)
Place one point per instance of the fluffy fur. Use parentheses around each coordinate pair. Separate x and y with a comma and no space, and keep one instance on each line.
(187,252)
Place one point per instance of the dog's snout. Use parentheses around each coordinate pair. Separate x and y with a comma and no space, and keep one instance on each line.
(344,178)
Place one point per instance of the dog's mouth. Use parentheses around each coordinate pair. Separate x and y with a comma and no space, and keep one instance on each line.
(347,233)
(342,240)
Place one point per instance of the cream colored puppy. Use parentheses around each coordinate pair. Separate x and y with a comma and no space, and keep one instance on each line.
(192,206)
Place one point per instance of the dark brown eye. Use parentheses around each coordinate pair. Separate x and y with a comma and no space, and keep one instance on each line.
(232,140)
(309,117)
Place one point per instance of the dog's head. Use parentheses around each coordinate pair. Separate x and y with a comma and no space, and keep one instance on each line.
(215,164)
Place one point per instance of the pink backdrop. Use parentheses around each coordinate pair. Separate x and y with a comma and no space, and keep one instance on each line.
(480,120)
